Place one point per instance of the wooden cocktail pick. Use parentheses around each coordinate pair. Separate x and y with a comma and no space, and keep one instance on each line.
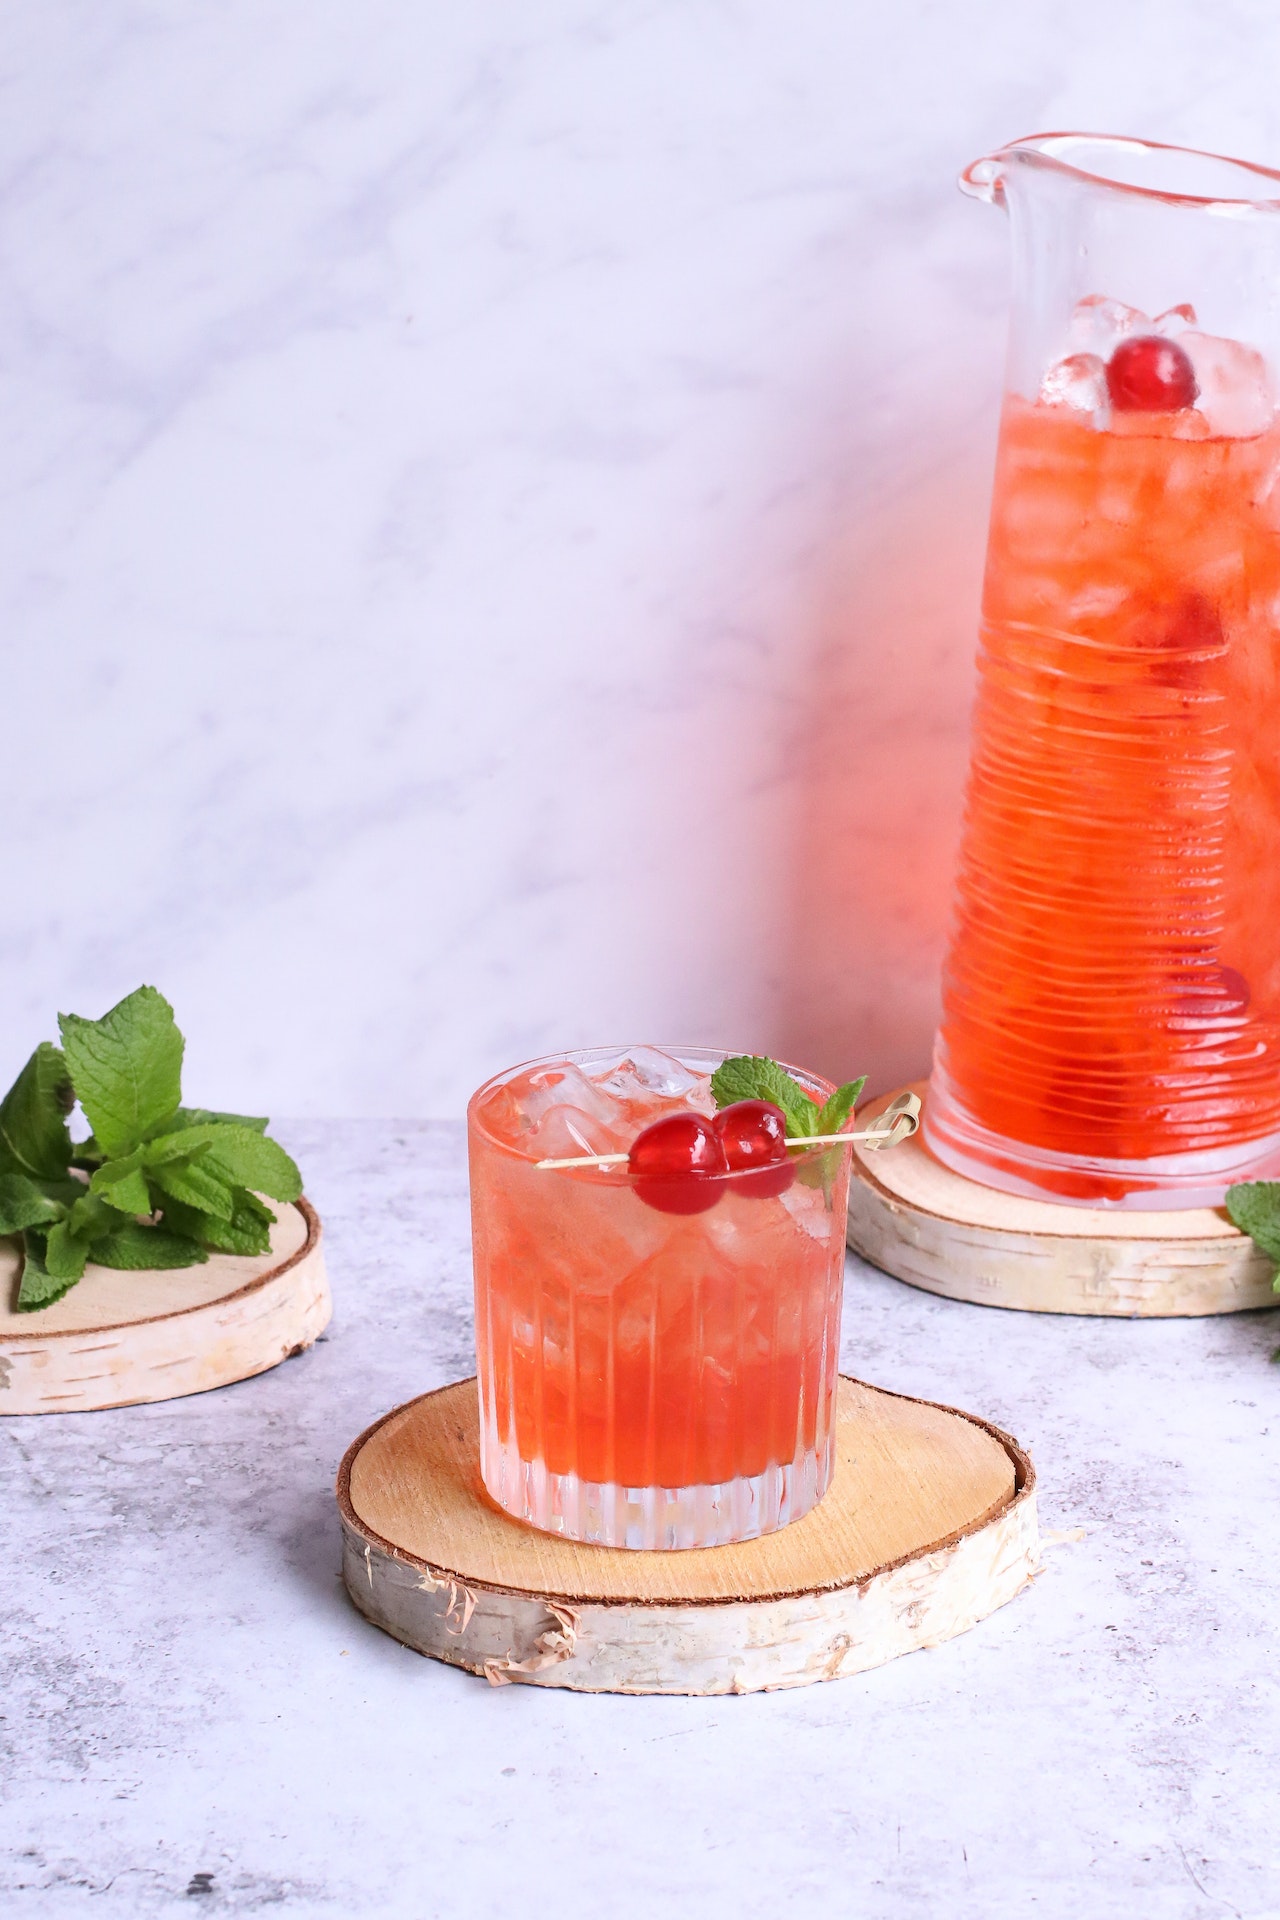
(898,1122)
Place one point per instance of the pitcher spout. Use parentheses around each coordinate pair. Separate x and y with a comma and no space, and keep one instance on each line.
(984,179)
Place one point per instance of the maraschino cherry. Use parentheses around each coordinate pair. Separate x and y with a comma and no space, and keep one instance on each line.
(678,1164)
(1151,374)
(754,1135)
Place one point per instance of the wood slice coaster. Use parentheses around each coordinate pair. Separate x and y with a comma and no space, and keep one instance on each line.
(938,1230)
(120,1338)
(928,1526)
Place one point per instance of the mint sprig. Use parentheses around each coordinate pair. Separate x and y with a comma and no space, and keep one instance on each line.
(1254,1207)
(160,1184)
(749,1076)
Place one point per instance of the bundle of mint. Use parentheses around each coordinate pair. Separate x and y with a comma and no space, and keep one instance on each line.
(156,1184)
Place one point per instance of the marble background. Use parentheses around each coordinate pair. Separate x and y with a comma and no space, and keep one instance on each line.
(493,500)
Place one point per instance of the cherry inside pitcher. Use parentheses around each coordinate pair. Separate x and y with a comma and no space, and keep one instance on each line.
(1151,374)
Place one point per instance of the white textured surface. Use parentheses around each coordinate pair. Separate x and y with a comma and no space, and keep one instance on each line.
(491,507)
(191,1693)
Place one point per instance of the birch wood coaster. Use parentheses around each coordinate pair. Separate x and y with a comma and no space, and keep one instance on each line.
(928,1526)
(938,1230)
(120,1338)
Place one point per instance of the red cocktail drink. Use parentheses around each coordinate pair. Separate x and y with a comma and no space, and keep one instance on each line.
(648,1378)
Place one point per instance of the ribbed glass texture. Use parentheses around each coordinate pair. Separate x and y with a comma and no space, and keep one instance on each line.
(1111,1015)
(648,1379)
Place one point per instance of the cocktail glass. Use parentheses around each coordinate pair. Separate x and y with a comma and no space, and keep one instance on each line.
(648,1378)
(1111,1019)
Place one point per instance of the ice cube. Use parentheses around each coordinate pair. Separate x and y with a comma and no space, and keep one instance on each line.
(808,1208)
(1098,324)
(700,1098)
(1078,382)
(1188,423)
(499,1114)
(646,1072)
(563,1132)
(1236,394)
(566,1085)
(1175,320)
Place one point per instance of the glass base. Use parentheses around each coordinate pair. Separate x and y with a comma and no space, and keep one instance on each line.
(605,1514)
(1161,1184)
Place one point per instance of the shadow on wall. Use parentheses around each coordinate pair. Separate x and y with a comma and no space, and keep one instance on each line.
(884,755)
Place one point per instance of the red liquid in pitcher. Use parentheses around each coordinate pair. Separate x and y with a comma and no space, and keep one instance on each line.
(1113,983)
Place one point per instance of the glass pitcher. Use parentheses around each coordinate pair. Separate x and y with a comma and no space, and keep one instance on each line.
(1110,1031)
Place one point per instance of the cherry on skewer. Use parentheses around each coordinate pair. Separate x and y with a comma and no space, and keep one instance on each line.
(754,1136)
(678,1164)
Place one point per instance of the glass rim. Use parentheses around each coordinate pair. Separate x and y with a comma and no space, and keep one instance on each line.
(984,177)
(620,1175)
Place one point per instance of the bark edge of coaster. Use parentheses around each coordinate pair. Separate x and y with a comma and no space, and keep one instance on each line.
(118,1339)
(935,1229)
(929,1526)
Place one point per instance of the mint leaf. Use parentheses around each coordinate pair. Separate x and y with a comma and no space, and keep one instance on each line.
(840,1106)
(206,1116)
(247,1231)
(240,1156)
(38,1287)
(195,1184)
(122,1183)
(253,1160)
(91,1216)
(138,1247)
(1254,1206)
(251,1224)
(126,1067)
(64,1254)
(752,1077)
(24,1204)
(33,1127)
